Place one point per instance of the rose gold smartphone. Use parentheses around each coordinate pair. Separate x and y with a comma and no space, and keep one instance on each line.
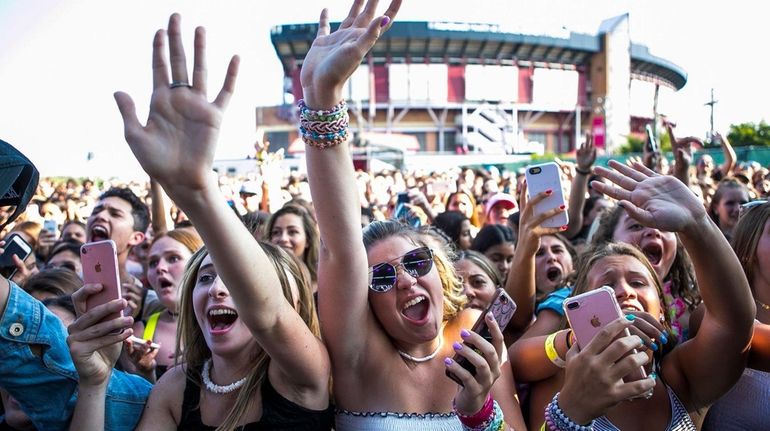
(591,311)
(502,307)
(100,265)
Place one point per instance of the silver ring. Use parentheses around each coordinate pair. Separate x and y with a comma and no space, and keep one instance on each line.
(176,84)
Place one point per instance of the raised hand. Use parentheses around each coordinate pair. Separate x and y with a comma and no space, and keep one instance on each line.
(177,145)
(94,346)
(335,56)
(486,357)
(530,229)
(585,156)
(655,200)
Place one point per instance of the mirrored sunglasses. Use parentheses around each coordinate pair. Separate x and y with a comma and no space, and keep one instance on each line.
(416,263)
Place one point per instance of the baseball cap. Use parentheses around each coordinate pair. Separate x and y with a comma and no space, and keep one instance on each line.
(251,187)
(18,180)
(504,199)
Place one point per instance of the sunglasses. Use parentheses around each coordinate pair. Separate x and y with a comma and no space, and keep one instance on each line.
(416,263)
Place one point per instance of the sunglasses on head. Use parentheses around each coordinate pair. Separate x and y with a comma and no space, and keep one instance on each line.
(416,263)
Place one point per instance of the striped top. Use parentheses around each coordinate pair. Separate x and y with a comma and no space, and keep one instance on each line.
(680,419)
(388,421)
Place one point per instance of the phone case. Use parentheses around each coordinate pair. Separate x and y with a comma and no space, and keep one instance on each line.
(50,226)
(100,265)
(502,307)
(591,311)
(14,245)
(541,178)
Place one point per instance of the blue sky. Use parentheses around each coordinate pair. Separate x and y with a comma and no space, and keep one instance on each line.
(60,62)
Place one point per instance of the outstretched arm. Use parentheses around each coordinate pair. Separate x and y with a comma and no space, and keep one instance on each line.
(705,367)
(585,158)
(177,147)
(343,267)
(521,277)
(727,149)
(682,149)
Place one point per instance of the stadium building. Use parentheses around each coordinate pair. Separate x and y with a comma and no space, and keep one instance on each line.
(460,88)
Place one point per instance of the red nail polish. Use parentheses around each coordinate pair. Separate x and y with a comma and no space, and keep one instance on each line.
(548,192)
(561,207)
(564,227)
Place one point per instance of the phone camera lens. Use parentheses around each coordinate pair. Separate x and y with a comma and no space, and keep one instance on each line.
(573,305)
(84,251)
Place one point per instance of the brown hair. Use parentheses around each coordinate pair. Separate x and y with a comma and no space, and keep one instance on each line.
(746,236)
(681,274)
(597,252)
(313,238)
(196,351)
(724,184)
(186,237)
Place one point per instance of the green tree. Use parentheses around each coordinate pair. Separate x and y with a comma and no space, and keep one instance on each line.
(745,134)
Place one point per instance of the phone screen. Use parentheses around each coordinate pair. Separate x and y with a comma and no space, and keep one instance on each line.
(15,245)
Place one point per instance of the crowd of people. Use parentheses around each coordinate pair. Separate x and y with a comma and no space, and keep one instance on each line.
(347,301)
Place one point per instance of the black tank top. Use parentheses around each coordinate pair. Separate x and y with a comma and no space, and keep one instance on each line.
(278,413)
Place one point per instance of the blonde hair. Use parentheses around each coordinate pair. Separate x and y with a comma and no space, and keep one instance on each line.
(196,351)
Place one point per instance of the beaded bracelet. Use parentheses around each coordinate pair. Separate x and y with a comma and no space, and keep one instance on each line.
(556,420)
(325,128)
(495,421)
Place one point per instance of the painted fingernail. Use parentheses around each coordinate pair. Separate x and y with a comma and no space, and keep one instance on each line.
(654,346)
(490,317)
(448,361)
(561,207)
(663,338)
(653,375)
(464,333)
(385,21)
(630,317)
(457,346)
(548,192)
(564,227)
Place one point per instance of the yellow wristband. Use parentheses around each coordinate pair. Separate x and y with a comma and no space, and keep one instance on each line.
(550,351)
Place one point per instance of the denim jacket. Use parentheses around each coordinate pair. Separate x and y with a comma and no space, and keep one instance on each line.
(46,387)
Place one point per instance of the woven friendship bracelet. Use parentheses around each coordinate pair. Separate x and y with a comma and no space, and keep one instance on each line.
(323,129)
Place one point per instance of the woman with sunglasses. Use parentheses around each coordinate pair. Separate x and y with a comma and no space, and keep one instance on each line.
(391,344)
(746,405)
(253,355)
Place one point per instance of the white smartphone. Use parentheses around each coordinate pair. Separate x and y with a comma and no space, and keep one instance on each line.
(541,178)
(139,342)
(14,245)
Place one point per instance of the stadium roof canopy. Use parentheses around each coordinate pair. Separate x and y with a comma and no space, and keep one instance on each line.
(464,43)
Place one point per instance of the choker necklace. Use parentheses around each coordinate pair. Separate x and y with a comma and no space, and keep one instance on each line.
(215,388)
(762,304)
(429,357)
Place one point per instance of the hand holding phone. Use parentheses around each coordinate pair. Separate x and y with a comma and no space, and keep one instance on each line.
(589,312)
(502,308)
(15,245)
(51,226)
(542,177)
(100,266)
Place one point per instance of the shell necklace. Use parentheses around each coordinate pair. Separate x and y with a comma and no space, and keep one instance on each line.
(430,356)
(215,388)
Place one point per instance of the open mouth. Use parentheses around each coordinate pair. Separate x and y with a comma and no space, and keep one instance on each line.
(553,274)
(221,319)
(99,233)
(165,284)
(653,252)
(416,310)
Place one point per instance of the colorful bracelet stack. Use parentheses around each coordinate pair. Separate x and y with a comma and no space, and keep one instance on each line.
(556,420)
(323,129)
(489,418)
